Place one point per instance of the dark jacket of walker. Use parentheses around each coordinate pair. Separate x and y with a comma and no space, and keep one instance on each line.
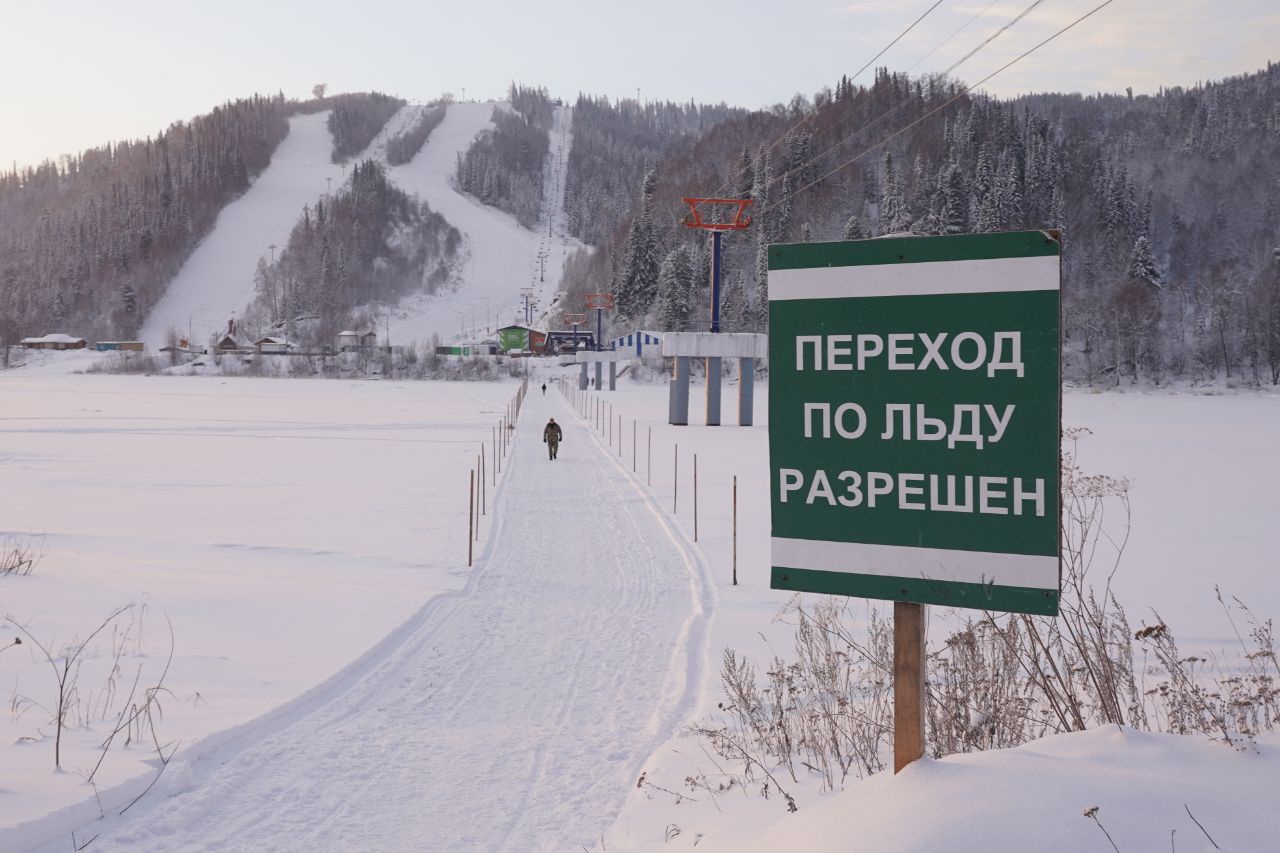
(552,433)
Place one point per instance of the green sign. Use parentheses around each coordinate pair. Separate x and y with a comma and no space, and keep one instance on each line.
(914,419)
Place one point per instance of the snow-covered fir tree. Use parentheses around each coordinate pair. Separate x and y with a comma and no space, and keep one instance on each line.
(675,290)
(637,283)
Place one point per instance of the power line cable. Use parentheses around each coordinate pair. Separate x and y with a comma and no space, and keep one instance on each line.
(890,113)
(944,105)
(948,39)
(896,40)
(793,128)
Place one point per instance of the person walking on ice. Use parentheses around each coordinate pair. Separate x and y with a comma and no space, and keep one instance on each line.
(544,389)
(552,434)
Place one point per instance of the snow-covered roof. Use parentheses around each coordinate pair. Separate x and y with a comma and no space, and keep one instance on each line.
(273,341)
(56,338)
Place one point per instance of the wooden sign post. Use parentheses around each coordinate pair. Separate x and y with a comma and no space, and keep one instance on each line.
(908,683)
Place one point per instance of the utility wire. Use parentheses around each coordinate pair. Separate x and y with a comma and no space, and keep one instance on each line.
(946,104)
(725,187)
(890,113)
(948,39)
(896,40)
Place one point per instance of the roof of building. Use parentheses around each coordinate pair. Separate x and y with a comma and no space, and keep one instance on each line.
(56,338)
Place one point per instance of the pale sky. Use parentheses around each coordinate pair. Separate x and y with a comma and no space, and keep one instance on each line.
(78,73)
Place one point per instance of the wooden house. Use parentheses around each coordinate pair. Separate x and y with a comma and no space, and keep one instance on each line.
(273,346)
(55,341)
(351,340)
(228,343)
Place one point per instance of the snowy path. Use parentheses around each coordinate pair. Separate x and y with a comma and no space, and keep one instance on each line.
(503,257)
(514,714)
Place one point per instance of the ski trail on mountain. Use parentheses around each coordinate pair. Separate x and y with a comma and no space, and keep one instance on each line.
(511,716)
(500,256)
(217,280)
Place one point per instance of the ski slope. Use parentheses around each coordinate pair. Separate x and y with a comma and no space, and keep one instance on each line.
(501,256)
(511,715)
(216,282)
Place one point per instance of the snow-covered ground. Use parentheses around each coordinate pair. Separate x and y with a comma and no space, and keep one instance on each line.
(290,528)
(284,527)
(1150,790)
(501,256)
(510,714)
(1200,468)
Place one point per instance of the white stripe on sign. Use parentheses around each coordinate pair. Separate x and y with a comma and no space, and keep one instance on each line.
(897,561)
(935,278)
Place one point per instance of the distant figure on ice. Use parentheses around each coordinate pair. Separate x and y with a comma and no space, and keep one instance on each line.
(544,389)
(552,435)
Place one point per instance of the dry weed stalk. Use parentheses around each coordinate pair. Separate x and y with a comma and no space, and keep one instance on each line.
(998,681)
(19,555)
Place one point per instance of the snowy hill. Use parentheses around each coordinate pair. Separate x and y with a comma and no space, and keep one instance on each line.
(501,257)
(217,280)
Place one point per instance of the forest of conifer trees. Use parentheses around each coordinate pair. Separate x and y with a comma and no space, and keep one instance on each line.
(89,243)
(1167,204)
(367,247)
(503,167)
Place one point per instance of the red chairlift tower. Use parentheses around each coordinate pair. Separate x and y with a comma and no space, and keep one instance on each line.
(717,225)
(573,321)
(599,301)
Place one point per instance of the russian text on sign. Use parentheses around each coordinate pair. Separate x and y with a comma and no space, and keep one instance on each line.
(968,351)
(932,492)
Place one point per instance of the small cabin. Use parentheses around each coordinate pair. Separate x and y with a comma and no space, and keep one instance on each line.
(119,346)
(55,341)
(521,337)
(350,340)
(273,346)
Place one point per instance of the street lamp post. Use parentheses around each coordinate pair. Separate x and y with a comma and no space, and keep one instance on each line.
(189,331)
